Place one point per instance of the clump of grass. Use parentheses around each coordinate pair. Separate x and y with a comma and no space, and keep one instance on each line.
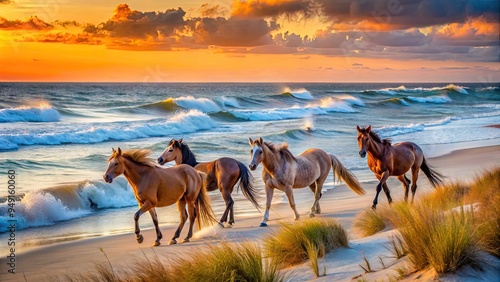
(289,245)
(314,252)
(369,222)
(367,267)
(397,247)
(485,190)
(225,262)
(444,241)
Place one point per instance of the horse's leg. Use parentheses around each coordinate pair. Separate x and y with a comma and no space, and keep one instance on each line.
(291,201)
(387,192)
(146,206)
(406,185)
(313,189)
(226,195)
(192,218)
(154,216)
(414,177)
(382,177)
(181,207)
(269,198)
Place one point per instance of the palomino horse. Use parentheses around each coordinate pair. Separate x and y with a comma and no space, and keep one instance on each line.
(284,171)
(159,187)
(387,160)
(222,174)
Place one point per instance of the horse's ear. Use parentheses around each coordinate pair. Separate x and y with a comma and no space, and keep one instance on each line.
(119,151)
(171,142)
(113,150)
(369,128)
(261,141)
(180,140)
(250,141)
(358,129)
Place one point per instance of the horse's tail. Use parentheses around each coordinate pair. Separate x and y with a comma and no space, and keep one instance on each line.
(434,176)
(246,185)
(205,213)
(345,175)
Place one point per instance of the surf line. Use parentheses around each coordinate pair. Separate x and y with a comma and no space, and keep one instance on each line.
(12,222)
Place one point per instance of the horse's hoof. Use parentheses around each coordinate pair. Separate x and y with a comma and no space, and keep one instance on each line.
(312,215)
(263,224)
(186,240)
(374,207)
(139,239)
(172,242)
(228,225)
(156,244)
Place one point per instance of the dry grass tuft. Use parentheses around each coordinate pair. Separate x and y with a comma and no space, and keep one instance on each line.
(369,222)
(289,245)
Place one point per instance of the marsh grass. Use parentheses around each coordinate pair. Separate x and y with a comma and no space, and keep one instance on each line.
(289,245)
(396,247)
(367,267)
(369,222)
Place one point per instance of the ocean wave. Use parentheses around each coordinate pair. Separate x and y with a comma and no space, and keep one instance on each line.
(183,122)
(340,104)
(300,93)
(43,113)
(65,202)
(403,89)
(431,99)
(203,104)
(389,131)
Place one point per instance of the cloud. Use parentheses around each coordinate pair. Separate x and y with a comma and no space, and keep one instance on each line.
(234,31)
(6,2)
(212,11)
(272,8)
(32,23)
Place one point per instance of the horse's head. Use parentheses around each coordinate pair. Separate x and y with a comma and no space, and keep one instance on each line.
(363,139)
(116,166)
(256,152)
(171,152)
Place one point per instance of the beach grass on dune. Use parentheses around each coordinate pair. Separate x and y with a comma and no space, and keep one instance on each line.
(292,243)
(444,230)
(222,262)
(369,222)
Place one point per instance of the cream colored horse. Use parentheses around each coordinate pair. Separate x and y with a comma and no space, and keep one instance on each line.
(160,187)
(284,171)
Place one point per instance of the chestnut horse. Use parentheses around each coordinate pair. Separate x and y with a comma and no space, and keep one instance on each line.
(284,171)
(222,174)
(160,187)
(385,160)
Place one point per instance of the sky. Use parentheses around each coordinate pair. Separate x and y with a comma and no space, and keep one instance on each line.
(250,41)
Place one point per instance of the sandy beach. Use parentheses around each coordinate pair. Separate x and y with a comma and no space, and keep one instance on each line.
(45,263)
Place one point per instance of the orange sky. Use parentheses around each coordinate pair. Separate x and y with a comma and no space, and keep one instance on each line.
(255,41)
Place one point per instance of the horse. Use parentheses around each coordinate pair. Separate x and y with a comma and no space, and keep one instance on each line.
(160,187)
(284,171)
(385,160)
(222,174)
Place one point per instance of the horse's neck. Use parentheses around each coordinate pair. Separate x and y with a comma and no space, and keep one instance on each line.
(376,150)
(270,160)
(191,159)
(133,172)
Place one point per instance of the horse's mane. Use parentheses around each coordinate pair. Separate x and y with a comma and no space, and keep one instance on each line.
(377,139)
(140,156)
(188,156)
(282,150)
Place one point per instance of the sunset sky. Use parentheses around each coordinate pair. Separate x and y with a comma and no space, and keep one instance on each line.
(250,41)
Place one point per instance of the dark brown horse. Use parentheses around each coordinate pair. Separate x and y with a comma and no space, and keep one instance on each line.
(222,174)
(160,187)
(385,160)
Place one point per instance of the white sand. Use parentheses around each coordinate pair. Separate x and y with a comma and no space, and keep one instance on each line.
(341,203)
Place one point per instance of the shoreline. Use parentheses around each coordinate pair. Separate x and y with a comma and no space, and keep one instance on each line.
(38,263)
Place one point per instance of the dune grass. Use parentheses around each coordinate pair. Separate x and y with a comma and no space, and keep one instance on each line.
(223,262)
(369,222)
(445,230)
(289,245)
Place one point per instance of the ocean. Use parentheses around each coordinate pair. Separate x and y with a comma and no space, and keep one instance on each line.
(57,137)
